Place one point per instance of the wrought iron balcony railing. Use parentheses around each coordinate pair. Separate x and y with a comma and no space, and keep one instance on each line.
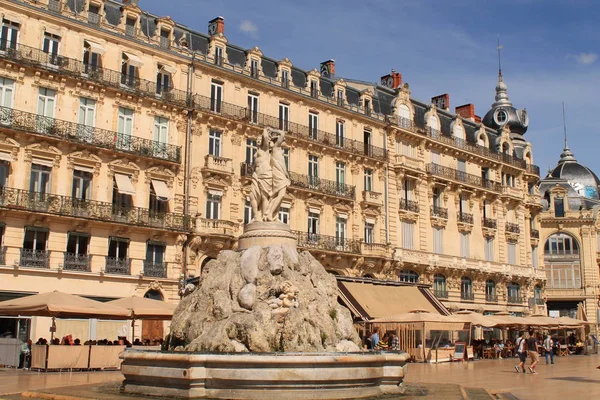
(439,212)
(512,227)
(441,294)
(90,209)
(465,218)
(87,135)
(535,234)
(93,18)
(538,301)
(570,255)
(54,6)
(514,299)
(156,270)
(313,183)
(313,241)
(460,176)
(77,262)
(35,258)
(62,65)
(491,298)
(409,205)
(490,223)
(533,169)
(118,266)
(469,296)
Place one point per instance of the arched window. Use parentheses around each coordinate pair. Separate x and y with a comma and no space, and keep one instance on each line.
(459,132)
(154,295)
(562,262)
(481,139)
(439,286)
(505,148)
(409,276)
(466,288)
(490,291)
(404,112)
(514,293)
(433,123)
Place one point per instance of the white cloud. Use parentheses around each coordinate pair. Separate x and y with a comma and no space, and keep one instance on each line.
(249,28)
(585,58)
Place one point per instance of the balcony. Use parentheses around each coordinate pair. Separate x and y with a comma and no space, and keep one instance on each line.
(409,205)
(35,258)
(439,212)
(460,176)
(77,262)
(465,218)
(77,69)
(87,135)
(373,199)
(564,255)
(117,266)
(218,227)
(93,18)
(164,43)
(538,301)
(440,294)
(534,234)
(512,191)
(313,241)
(130,31)
(374,249)
(214,165)
(155,270)
(490,223)
(514,300)
(533,170)
(54,6)
(491,298)
(467,296)
(18,199)
(512,228)
(409,162)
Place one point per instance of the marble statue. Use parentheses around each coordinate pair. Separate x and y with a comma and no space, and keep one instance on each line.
(270,177)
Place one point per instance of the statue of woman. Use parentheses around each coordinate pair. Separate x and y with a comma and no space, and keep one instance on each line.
(281,177)
(262,178)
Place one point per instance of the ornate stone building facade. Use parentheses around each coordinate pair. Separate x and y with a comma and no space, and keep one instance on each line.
(127,142)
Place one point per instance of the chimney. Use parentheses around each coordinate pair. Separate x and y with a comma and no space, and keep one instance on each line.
(442,101)
(477,119)
(392,81)
(216,26)
(467,111)
(327,68)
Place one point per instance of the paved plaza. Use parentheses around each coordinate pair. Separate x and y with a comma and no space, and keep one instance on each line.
(573,378)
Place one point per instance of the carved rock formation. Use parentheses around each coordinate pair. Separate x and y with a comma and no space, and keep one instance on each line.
(264,299)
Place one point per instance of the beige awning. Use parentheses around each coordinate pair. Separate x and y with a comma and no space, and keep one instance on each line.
(124,184)
(161,190)
(84,169)
(133,59)
(5,156)
(143,308)
(169,69)
(43,161)
(95,47)
(53,31)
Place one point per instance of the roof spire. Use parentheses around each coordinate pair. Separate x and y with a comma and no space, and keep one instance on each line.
(567,155)
(501,89)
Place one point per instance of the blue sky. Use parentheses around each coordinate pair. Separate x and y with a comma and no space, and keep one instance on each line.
(550,52)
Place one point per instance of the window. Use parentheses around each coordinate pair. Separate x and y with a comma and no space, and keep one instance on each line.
(40,179)
(408,233)
(94,14)
(435,157)
(465,239)
(408,149)
(313,170)
(118,248)
(559,207)
(76,257)
(254,68)
(461,165)
(340,175)
(213,205)
(35,239)
(286,158)
(129,70)
(437,197)
(409,276)
(368,180)
(534,256)
(130,24)
(368,106)
(313,226)
(125,128)
(46,105)
(155,254)
(433,123)
(92,57)
(216,96)
(490,291)
(340,97)
(508,180)
(369,232)
(563,275)
(313,126)
(7,91)
(489,249)
(251,149)
(466,289)
(340,129)
(157,205)
(314,88)
(165,38)
(284,116)
(367,142)
(285,78)
(248,212)
(284,215)
(87,117)
(161,137)
(163,80)
(459,132)
(50,47)
(122,202)
(4,170)
(438,240)
(9,36)
(340,231)
(537,294)
(253,108)
(218,55)
(512,252)
(561,245)
(214,143)
(513,292)
(82,185)
(439,286)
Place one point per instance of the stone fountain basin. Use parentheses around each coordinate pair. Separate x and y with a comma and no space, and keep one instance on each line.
(263,375)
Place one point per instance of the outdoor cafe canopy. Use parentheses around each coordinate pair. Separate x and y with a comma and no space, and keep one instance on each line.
(428,319)
(144,308)
(61,305)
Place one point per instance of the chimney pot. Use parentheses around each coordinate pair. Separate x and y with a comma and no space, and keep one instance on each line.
(442,101)
(327,68)
(393,80)
(216,26)
(466,111)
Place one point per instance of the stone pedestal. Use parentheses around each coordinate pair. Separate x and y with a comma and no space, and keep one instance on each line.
(266,234)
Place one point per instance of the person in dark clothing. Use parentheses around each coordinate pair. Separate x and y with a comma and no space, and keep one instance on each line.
(532,351)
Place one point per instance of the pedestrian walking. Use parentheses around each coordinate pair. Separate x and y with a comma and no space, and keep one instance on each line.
(532,351)
(548,344)
(520,345)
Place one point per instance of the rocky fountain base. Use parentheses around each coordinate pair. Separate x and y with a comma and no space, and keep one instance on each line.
(264,323)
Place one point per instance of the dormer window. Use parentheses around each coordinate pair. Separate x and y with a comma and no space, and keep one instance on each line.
(219,55)
(314,88)
(285,78)
(254,68)
(94,14)
(130,24)
(559,207)
(340,97)
(367,103)
(165,38)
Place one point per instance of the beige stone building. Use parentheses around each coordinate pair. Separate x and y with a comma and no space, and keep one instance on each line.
(127,142)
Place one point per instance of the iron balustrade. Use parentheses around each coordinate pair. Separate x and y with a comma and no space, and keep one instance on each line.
(571,255)
(164,42)
(93,18)
(19,199)
(54,6)
(538,301)
(118,266)
(514,299)
(535,234)
(441,294)
(409,205)
(491,298)
(317,241)
(87,135)
(533,169)
(77,262)
(62,65)
(512,227)
(35,258)
(156,270)
(469,296)
(451,173)
(490,223)
(371,197)
(465,218)
(130,30)
(439,212)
